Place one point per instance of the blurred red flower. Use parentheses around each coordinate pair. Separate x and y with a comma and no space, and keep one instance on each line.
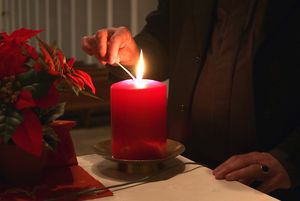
(30,87)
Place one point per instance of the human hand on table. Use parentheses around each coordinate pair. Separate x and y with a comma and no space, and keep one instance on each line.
(254,166)
(111,44)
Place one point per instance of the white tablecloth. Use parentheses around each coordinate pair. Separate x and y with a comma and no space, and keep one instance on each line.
(176,184)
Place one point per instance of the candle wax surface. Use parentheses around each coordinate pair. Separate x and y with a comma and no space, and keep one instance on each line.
(138,115)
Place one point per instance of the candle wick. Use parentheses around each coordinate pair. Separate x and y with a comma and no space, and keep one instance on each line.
(125,69)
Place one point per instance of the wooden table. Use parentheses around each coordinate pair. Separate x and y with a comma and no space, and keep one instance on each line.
(174,184)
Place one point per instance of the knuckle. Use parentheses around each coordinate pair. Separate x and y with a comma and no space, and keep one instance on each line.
(100,33)
(235,157)
(253,154)
(84,41)
(266,155)
(114,38)
(254,157)
(243,173)
(124,29)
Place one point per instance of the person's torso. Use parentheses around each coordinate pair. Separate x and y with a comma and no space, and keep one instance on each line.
(212,85)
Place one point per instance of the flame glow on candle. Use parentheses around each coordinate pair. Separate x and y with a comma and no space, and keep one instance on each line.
(140,71)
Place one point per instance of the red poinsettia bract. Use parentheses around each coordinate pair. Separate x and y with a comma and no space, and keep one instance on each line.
(12,60)
(37,88)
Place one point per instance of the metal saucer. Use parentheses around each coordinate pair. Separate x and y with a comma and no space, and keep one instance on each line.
(174,149)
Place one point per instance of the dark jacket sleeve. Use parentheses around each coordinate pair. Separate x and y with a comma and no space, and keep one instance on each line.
(287,154)
(287,47)
(153,40)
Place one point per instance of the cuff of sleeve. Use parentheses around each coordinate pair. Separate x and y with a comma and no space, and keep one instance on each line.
(292,171)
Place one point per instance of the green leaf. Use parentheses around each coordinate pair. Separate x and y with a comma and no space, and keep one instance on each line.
(31,88)
(42,84)
(37,82)
(2,119)
(86,93)
(16,115)
(45,45)
(27,78)
(14,122)
(49,115)
(50,138)
(30,63)
(76,90)
(64,86)
(6,137)
(9,122)
(6,132)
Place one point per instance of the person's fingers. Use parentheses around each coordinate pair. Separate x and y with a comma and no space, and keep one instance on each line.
(114,46)
(254,167)
(234,163)
(113,49)
(225,165)
(86,46)
(89,45)
(252,172)
(117,42)
(101,44)
(109,45)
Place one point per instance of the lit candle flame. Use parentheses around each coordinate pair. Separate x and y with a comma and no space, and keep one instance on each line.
(140,71)
(140,67)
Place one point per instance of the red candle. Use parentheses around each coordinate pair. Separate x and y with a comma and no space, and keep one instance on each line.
(138,114)
(138,120)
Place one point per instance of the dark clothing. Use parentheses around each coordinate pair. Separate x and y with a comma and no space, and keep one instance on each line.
(222,111)
(188,42)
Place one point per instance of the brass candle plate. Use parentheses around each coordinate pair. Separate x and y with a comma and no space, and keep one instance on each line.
(174,149)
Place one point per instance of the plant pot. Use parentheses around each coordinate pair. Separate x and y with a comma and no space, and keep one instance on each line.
(18,167)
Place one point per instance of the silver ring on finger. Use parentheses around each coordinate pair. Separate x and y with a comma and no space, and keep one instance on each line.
(264,169)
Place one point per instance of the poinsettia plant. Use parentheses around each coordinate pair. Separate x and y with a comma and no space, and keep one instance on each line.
(31,82)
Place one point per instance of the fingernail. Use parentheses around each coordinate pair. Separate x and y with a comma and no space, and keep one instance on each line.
(112,60)
(218,176)
(215,171)
(229,177)
(117,60)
